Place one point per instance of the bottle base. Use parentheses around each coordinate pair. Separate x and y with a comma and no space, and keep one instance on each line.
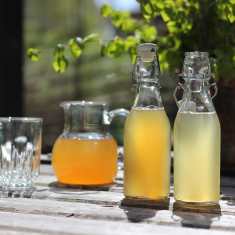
(201,207)
(160,203)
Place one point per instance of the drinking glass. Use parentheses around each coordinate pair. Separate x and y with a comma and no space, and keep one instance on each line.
(20,150)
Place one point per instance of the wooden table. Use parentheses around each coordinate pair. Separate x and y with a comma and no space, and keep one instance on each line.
(57,210)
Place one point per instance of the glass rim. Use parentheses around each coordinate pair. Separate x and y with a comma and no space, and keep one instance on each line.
(21,119)
(196,53)
(82,103)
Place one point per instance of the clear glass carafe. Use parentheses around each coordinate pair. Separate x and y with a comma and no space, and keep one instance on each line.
(147,133)
(86,153)
(197,135)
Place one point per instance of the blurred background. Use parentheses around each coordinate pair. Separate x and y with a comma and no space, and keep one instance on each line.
(92,77)
(34,89)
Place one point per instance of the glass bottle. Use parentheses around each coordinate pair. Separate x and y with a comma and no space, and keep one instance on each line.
(147,133)
(197,135)
(86,153)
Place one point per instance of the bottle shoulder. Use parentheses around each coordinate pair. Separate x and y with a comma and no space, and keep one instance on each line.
(148,115)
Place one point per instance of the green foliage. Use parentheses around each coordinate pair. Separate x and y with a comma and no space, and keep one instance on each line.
(121,20)
(118,46)
(136,31)
(194,25)
(183,25)
(33,54)
(74,47)
(77,45)
(147,33)
(226,10)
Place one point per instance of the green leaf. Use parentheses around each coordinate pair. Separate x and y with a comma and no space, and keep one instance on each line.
(60,62)
(124,21)
(60,65)
(150,8)
(148,33)
(106,10)
(114,48)
(33,54)
(133,54)
(120,19)
(91,38)
(165,16)
(226,11)
(75,46)
(147,11)
(172,27)
(131,42)
(128,25)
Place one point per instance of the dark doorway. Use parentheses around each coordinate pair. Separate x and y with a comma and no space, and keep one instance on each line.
(11,77)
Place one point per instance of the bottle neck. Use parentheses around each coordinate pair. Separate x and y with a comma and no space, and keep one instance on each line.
(148,95)
(197,96)
(146,71)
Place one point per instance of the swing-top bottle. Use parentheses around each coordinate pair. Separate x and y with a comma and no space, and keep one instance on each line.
(197,135)
(147,133)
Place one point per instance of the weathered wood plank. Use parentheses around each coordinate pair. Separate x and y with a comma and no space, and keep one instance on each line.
(5,230)
(43,224)
(48,189)
(100,209)
(116,214)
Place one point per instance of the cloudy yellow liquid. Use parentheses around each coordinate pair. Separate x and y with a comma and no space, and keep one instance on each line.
(197,157)
(146,151)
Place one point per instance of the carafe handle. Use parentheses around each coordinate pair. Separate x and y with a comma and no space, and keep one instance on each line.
(178,88)
(113,113)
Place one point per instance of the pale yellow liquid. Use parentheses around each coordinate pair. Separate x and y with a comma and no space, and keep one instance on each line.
(197,157)
(146,154)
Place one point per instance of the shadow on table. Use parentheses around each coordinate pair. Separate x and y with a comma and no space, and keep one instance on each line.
(58,187)
(196,216)
(228,195)
(138,210)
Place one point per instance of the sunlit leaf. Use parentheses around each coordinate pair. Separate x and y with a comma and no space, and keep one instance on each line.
(114,48)
(91,38)
(147,11)
(75,47)
(226,11)
(33,54)
(163,61)
(60,65)
(120,19)
(131,42)
(129,25)
(124,21)
(172,26)
(165,16)
(148,33)
(60,62)
(106,10)
(133,54)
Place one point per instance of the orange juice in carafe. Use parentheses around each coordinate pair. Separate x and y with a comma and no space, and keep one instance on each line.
(85,162)
(85,153)
(147,133)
